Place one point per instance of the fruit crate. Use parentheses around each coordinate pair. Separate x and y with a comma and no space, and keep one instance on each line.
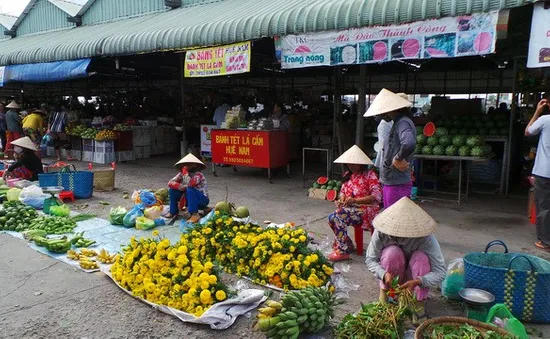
(87,156)
(104,158)
(107,146)
(88,145)
(125,141)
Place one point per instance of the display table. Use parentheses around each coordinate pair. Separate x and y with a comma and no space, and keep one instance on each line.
(461,160)
(259,149)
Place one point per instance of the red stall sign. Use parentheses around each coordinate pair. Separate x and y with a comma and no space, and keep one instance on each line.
(262,149)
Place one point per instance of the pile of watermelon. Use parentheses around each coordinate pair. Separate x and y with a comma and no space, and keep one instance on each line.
(448,144)
(332,186)
(486,125)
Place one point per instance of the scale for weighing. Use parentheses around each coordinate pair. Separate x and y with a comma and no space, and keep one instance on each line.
(53,200)
(478,303)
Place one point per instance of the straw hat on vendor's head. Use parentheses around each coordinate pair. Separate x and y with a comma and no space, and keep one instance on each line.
(405,219)
(354,156)
(13,105)
(26,143)
(386,101)
(190,159)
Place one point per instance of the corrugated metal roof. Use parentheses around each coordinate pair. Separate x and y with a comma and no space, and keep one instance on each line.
(45,15)
(229,21)
(101,11)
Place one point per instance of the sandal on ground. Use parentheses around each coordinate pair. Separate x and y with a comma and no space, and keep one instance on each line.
(542,246)
(168,216)
(194,219)
(337,256)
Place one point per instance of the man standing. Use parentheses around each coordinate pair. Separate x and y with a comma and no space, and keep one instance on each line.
(541,171)
(221,112)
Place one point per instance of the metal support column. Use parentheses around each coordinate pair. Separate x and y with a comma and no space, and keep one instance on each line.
(513,111)
(361,106)
(337,110)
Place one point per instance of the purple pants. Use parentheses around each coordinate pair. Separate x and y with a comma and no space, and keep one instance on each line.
(393,193)
(393,260)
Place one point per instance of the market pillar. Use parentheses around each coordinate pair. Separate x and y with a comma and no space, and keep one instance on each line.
(361,106)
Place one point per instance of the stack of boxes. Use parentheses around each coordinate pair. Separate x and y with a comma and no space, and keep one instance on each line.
(104,152)
(142,142)
(88,150)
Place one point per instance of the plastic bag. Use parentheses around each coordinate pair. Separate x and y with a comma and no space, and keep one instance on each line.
(454,281)
(143,223)
(153,212)
(116,215)
(130,217)
(13,194)
(147,198)
(60,211)
(500,316)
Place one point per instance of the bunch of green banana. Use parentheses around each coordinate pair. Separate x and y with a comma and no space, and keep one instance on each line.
(304,311)
(58,245)
(79,241)
(31,234)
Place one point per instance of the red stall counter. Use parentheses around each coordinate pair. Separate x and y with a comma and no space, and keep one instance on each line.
(259,149)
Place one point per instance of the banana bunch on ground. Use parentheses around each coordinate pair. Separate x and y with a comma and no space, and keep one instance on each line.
(79,241)
(88,253)
(105,258)
(73,255)
(59,245)
(88,263)
(304,311)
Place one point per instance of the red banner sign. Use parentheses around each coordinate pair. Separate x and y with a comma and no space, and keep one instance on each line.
(260,149)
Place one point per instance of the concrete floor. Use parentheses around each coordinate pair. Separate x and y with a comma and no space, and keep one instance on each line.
(44,298)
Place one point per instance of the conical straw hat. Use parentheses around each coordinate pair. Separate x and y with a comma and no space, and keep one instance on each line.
(386,101)
(405,219)
(190,159)
(13,104)
(354,155)
(25,142)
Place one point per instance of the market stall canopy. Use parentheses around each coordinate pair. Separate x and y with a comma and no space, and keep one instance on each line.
(47,72)
(229,21)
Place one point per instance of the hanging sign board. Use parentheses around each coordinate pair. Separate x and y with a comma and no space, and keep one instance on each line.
(539,43)
(219,60)
(442,38)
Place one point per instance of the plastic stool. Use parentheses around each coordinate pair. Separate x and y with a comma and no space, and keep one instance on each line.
(66,195)
(359,239)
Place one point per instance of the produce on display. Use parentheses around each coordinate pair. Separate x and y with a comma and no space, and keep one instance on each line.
(379,320)
(76,130)
(464,151)
(105,135)
(88,133)
(474,141)
(427,150)
(322,181)
(497,125)
(242,212)
(223,207)
(117,214)
(440,131)
(305,311)
(433,141)
(421,139)
(14,216)
(122,128)
(60,211)
(88,263)
(79,241)
(53,225)
(443,143)
(445,140)
(332,195)
(451,150)
(459,140)
(105,258)
(438,150)
(53,245)
(465,331)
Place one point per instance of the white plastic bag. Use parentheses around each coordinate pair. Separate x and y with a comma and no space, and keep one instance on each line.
(33,196)
(31,191)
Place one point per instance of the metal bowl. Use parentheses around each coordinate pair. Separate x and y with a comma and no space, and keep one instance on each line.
(477,297)
(53,189)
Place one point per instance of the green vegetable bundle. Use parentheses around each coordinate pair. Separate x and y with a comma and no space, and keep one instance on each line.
(465,331)
(54,225)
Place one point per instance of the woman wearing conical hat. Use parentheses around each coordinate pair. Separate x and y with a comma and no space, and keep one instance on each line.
(398,149)
(359,201)
(188,188)
(403,247)
(27,164)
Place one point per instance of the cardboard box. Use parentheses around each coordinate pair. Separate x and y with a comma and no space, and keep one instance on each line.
(104,158)
(318,193)
(87,156)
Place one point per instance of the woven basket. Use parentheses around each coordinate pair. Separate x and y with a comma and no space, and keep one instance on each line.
(104,180)
(519,281)
(457,321)
(81,183)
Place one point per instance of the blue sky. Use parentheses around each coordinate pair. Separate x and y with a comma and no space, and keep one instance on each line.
(15,7)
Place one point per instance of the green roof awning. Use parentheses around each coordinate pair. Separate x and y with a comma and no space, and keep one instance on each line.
(229,21)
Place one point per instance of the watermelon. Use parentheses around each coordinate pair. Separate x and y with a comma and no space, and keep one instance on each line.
(421,139)
(316,185)
(322,180)
(332,195)
(338,184)
(451,150)
(465,131)
(427,150)
(433,141)
(331,183)
(445,140)
(440,131)
(418,149)
(464,151)
(477,151)
(454,131)
(324,187)
(459,140)
(474,141)
(419,130)
(438,150)
(330,187)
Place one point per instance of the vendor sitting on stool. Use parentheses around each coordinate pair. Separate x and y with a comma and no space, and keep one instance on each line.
(403,245)
(190,187)
(27,164)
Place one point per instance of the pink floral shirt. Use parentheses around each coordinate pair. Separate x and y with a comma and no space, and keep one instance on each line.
(361,185)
